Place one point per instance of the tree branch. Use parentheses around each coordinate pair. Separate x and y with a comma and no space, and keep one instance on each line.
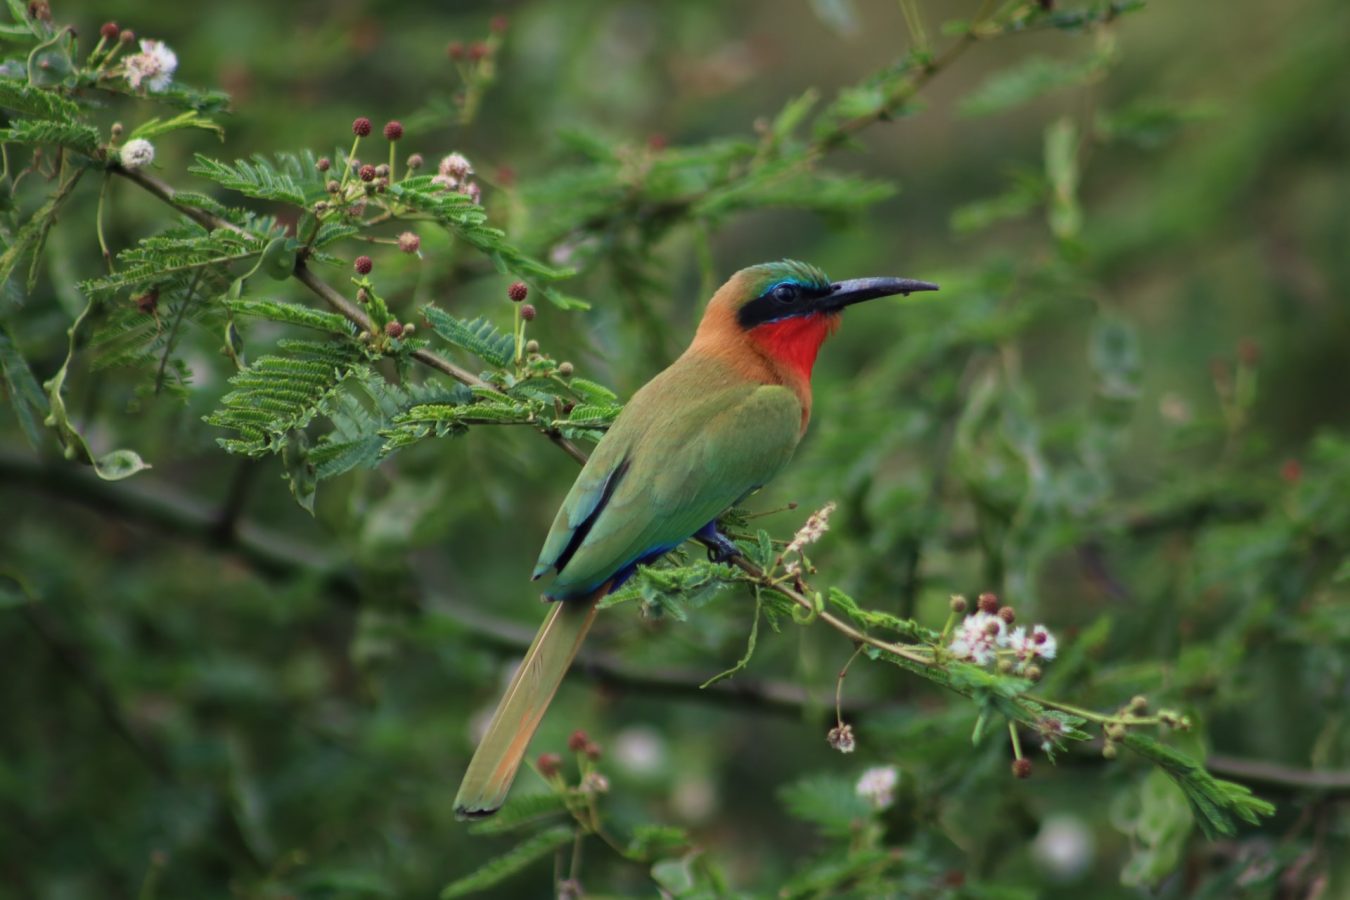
(274,555)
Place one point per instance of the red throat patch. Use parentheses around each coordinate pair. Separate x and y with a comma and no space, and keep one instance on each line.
(794,342)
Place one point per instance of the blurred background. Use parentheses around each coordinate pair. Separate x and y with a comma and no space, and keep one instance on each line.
(1126,413)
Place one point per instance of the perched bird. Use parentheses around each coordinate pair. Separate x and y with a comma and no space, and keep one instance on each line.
(715,426)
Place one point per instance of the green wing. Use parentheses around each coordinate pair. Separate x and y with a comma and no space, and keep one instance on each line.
(689,444)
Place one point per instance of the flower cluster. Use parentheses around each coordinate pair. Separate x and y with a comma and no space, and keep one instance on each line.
(979,638)
(985,636)
(455,173)
(877,786)
(153,66)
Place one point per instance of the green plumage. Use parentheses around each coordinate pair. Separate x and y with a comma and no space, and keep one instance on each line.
(692,442)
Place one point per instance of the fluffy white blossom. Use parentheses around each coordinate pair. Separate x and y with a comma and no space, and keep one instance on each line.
(816,526)
(456,165)
(136,154)
(1064,848)
(154,66)
(979,637)
(877,786)
(1029,646)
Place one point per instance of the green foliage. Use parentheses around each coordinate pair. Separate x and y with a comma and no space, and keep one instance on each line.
(479,336)
(522,811)
(279,394)
(29,100)
(829,802)
(508,864)
(1077,422)
(26,398)
(291,314)
(290,179)
(71,135)
(1217,804)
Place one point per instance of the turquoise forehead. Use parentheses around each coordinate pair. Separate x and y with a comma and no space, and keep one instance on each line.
(766,275)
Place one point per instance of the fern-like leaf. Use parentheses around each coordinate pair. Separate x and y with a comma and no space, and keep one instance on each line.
(292,314)
(1215,803)
(31,101)
(72,135)
(479,336)
(502,867)
(259,178)
(361,417)
(278,394)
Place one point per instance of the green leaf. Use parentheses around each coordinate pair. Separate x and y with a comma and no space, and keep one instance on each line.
(502,867)
(1027,191)
(112,466)
(258,178)
(591,391)
(278,394)
(1216,804)
(478,336)
(292,314)
(31,101)
(650,840)
(520,811)
(1027,80)
(34,231)
(25,394)
(190,119)
(1061,169)
(73,135)
(830,802)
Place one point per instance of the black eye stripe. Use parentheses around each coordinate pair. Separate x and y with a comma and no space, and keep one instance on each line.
(780,301)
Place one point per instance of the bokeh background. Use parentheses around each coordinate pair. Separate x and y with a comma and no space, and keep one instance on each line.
(1134,429)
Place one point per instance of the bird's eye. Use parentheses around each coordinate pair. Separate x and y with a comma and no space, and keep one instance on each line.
(785,293)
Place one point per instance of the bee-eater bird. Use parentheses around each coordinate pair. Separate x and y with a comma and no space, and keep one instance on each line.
(715,426)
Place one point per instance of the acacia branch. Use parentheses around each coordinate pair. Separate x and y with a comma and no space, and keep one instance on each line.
(325,292)
(273,554)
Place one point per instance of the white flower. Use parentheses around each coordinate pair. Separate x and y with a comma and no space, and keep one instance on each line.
(813,530)
(136,153)
(1027,647)
(455,166)
(979,638)
(154,65)
(1064,848)
(877,786)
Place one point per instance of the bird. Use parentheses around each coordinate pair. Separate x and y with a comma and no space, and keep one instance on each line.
(712,428)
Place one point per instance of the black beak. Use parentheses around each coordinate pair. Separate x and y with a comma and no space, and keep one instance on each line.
(846,293)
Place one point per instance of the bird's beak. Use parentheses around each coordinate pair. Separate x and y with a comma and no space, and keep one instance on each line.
(846,293)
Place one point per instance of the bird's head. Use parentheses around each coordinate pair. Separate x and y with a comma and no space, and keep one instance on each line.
(786,309)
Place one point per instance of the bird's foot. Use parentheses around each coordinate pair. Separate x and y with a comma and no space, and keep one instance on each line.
(720,547)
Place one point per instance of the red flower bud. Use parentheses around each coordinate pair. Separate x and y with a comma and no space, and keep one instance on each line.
(109,31)
(367,172)
(578,741)
(393,130)
(394,330)
(363,265)
(528,312)
(988,603)
(1021,768)
(361,126)
(518,291)
(549,764)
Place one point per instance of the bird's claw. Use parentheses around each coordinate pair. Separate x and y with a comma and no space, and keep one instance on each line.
(720,547)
